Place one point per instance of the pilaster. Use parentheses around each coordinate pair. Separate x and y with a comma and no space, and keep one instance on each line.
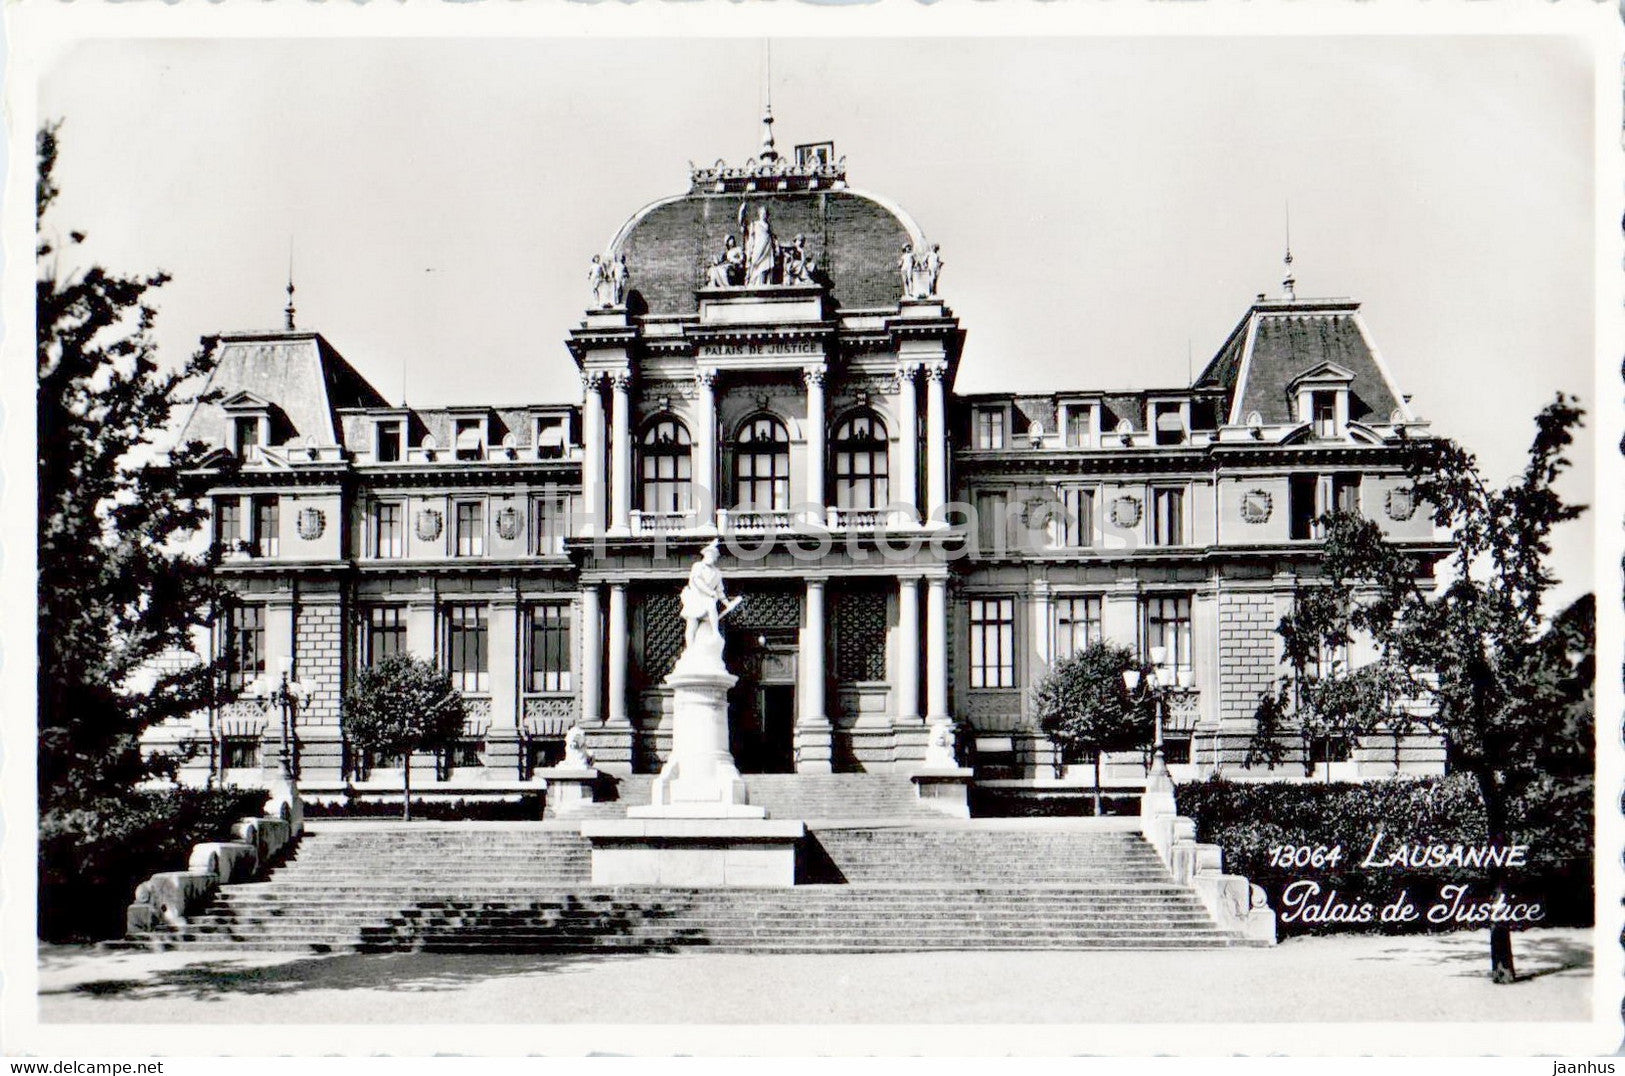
(814,750)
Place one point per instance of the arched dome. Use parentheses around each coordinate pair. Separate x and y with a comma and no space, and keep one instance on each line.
(856,238)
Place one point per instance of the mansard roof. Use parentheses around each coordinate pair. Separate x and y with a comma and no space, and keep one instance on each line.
(1279,343)
(300,374)
(855,236)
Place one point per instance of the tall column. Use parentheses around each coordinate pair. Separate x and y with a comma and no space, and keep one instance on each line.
(620,420)
(908,440)
(812,734)
(814,376)
(706,500)
(936,650)
(936,439)
(1042,643)
(908,649)
(592,657)
(502,738)
(592,451)
(618,642)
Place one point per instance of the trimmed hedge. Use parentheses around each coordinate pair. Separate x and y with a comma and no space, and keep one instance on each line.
(93,856)
(1248,820)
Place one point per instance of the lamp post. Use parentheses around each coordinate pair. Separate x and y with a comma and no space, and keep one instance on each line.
(1153,685)
(287,694)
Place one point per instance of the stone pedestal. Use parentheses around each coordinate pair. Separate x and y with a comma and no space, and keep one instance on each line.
(700,779)
(568,789)
(694,851)
(945,789)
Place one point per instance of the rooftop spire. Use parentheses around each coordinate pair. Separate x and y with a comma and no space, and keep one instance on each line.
(1289,284)
(767,152)
(287,311)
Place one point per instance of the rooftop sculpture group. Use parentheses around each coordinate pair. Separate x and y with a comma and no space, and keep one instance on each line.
(608,279)
(920,271)
(761,260)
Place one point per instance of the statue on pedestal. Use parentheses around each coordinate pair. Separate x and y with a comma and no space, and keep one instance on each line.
(931,265)
(619,275)
(598,278)
(576,756)
(704,601)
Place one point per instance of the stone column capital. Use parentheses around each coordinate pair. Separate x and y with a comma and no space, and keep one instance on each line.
(705,378)
(906,370)
(815,374)
(936,372)
(592,380)
(621,380)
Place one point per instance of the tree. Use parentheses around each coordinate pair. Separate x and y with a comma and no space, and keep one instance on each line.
(1469,660)
(118,591)
(1083,705)
(400,706)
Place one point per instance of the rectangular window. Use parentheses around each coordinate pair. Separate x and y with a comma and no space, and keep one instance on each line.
(1168,625)
(467,640)
(386,445)
(383,633)
(246,432)
(989,428)
(1346,493)
(240,752)
(1077,517)
(549,648)
(1077,625)
(1176,750)
(551,438)
(1324,407)
(266,526)
(388,530)
(244,644)
(992,523)
(228,523)
(1167,517)
(992,642)
(554,519)
(470,529)
(469,438)
(1079,433)
(1169,421)
(1329,749)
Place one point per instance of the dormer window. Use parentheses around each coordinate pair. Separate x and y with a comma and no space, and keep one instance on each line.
(388,441)
(552,437)
(1169,423)
(469,439)
(990,427)
(1323,401)
(1079,431)
(245,433)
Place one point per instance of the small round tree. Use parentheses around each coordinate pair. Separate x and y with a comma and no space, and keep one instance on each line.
(402,705)
(1083,705)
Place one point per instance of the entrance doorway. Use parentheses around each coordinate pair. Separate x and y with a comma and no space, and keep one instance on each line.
(762,706)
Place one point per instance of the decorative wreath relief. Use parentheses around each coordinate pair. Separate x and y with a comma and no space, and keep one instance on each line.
(311,523)
(1126,512)
(1256,505)
(508,524)
(429,522)
(1401,503)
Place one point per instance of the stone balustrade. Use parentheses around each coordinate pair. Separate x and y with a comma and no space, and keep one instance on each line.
(1234,903)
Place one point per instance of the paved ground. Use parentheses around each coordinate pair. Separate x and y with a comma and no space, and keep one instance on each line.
(1333,979)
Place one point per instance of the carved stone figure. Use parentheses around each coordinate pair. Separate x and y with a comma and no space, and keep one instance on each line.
(619,275)
(905,269)
(716,275)
(931,264)
(761,252)
(576,756)
(704,601)
(598,280)
(735,260)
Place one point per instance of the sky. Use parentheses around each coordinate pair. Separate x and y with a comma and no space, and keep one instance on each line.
(1106,208)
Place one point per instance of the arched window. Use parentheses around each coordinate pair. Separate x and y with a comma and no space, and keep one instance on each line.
(667,467)
(859,446)
(762,465)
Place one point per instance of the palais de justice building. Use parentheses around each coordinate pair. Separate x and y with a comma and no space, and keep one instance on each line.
(768,356)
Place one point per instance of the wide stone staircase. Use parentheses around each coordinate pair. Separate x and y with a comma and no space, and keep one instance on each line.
(794,795)
(870,887)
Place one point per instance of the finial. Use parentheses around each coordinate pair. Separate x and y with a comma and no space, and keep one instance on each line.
(768,153)
(287,311)
(1289,283)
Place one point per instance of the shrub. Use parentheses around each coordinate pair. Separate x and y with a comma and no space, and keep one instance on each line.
(1248,819)
(93,855)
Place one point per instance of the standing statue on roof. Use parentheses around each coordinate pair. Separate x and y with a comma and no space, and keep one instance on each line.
(598,280)
(761,252)
(932,266)
(619,276)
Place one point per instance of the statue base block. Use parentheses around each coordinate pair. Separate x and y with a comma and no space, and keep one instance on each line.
(694,851)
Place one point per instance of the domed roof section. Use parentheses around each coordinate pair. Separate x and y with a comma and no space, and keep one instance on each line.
(855,237)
